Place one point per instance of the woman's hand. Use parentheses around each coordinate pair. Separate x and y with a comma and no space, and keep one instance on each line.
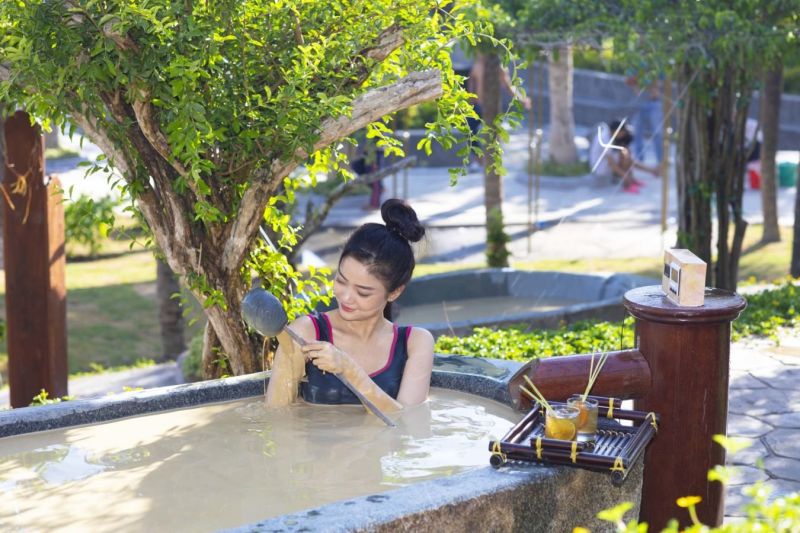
(325,356)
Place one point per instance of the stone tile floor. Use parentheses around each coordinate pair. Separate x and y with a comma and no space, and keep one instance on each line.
(764,408)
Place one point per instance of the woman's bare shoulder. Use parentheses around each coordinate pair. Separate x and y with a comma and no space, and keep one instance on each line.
(304,326)
(420,340)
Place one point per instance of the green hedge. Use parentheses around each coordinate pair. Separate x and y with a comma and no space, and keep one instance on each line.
(519,345)
(766,312)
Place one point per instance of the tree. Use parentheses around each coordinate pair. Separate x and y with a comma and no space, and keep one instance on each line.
(712,50)
(496,250)
(204,109)
(770,106)
(562,118)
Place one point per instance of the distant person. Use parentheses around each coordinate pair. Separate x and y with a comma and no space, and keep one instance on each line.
(475,86)
(753,137)
(610,157)
(649,118)
(366,161)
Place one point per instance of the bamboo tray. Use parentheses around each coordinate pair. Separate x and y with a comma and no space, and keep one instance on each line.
(616,449)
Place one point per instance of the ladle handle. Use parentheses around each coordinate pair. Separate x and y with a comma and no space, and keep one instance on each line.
(368,404)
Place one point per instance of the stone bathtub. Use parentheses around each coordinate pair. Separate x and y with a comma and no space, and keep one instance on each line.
(455,302)
(513,498)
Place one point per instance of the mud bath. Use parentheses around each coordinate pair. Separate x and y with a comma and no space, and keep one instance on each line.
(224,465)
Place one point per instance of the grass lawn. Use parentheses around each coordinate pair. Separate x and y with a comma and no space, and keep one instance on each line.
(112,315)
(112,308)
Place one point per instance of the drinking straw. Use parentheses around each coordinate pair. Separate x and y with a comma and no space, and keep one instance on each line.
(594,372)
(535,394)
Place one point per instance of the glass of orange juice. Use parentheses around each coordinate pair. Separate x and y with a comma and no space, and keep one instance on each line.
(561,423)
(586,422)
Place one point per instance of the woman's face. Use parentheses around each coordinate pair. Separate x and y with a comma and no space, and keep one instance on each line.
(359,293)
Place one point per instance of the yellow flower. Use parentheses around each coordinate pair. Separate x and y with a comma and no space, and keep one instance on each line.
(689,501)
(580,530)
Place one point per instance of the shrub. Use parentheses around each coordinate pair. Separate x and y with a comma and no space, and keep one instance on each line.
(769,310)
(766,312)
(496,240)
(517,344)
(87,221)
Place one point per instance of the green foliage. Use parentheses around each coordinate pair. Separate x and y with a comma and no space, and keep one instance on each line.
(43,399)
(205,108)
(234,85)
(517,344)
(766,312)
(496,239)
(551,168)
(769,310)
(416,117)
(88,221)
(299,292)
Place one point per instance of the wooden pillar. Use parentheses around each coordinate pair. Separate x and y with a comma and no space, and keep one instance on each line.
(688,350)
(34,257)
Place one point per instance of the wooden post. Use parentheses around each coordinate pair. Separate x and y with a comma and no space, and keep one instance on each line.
(34,257)
(688,351)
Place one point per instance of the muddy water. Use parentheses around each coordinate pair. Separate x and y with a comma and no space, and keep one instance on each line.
(473,308)
(234,463)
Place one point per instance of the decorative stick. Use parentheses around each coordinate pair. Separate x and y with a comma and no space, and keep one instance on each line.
(594,372)
(535,394)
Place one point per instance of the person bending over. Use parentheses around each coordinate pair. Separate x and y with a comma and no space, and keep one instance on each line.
(389,364)
(616,162)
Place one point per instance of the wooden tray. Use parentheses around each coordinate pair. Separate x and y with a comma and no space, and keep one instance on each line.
(617,447)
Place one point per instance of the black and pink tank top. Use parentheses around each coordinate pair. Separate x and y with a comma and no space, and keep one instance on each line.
(326,388)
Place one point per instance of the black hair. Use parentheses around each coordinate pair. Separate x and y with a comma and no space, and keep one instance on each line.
(624,137)
(385,249)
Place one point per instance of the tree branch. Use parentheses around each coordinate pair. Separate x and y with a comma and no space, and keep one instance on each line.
(415,88)
(316,216)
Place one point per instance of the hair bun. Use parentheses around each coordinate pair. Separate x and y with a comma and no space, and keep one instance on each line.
(400,218)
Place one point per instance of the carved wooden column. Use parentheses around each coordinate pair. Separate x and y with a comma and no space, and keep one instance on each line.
(688,351)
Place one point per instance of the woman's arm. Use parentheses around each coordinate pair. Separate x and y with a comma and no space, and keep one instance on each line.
(419,366)
(329,358)
(288,367)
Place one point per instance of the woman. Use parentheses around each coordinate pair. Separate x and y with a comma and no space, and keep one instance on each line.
(391,366)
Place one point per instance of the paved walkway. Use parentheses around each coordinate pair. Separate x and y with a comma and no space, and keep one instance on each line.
(764,408)
(578,218)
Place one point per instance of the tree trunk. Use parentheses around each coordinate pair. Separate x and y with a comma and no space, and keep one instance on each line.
(693,191)
(562,118)
(711,164)
(794,268)
(492,180)
(770,110)
(170,312)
